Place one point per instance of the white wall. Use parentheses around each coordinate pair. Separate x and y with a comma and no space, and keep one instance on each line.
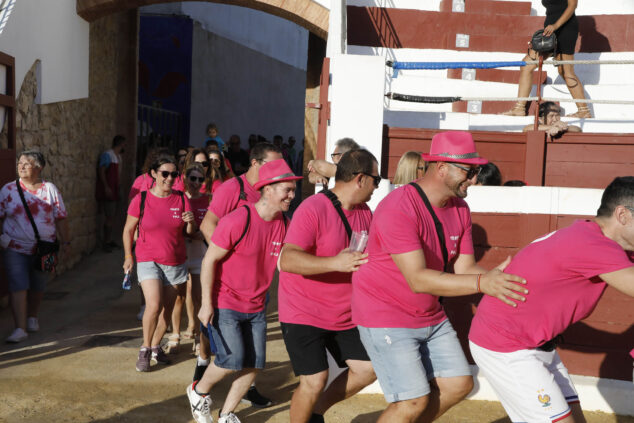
(268,34)
(52,32)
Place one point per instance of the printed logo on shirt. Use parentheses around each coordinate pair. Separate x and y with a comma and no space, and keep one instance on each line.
(277,247)
(177,212)
(544,399)
(454,247)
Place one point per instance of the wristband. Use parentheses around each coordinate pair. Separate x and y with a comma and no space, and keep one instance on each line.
(127,256)
(478,283)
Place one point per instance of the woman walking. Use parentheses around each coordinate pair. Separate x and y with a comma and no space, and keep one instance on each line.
(161,217)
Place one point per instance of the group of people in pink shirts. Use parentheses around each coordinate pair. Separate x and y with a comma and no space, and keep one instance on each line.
(376,310)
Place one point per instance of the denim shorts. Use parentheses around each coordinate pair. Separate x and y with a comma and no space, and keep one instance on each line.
(406,359)
(168,275)
(20,272)
(240,339)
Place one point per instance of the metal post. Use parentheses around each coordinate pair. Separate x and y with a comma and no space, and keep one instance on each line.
(539,92)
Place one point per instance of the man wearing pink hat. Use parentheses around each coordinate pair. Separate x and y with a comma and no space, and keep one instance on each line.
(315,289)
(235,276)
(420,248)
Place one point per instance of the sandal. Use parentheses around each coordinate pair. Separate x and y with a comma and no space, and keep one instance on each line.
(188,334)
(518,110)
(582,112)
(173,343)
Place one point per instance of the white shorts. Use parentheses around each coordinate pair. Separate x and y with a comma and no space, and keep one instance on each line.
(532,385)
(196,250)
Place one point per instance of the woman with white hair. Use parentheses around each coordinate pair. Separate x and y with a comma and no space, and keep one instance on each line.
(45,211)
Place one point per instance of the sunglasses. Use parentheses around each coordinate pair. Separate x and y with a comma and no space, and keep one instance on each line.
(376,178)
(196,179)
(333,155)
(165,174)
(471,171)
(203,164)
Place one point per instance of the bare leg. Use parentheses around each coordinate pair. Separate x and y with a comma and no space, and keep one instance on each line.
(177,312)
(239,388)
(407,411)
(445,393)
(359,375)
(18,308)
(189,306)
(574,85)
(213,375)
(306,396)
(525,86)
(152,292)
(34,299)
(169,296)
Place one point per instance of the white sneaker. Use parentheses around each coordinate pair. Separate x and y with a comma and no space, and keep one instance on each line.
(201,406)
(32,325)
(229,418)
(18,335)
(139,315)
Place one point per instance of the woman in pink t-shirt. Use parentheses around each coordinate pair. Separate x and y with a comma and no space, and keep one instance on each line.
(160,216)
(196,248)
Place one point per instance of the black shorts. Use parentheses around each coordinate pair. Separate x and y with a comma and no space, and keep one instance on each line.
(306,346)
(566,35)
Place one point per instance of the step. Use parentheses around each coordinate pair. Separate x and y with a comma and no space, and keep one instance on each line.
(495,75)
(491,7)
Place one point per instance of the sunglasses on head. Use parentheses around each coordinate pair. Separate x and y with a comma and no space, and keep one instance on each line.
(376,178)
(196,179)
(471,171)
(165,174)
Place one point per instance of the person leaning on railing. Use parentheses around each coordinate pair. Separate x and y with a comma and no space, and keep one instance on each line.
(550,121)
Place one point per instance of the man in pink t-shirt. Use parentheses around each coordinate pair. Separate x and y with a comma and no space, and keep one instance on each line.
(236,274)
(229,196)
(395,295)
(567,272)
(315,289)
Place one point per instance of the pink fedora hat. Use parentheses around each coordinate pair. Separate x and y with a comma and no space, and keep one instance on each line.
(273,172)
(454,146)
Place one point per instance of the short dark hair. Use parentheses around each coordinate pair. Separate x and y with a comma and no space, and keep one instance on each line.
(118,140)
(261,149)
(160,161)
(211,126)
(547,107)
(354,162)
(620,192)
(35,156)
(490,175)
(211,142)
(514,183)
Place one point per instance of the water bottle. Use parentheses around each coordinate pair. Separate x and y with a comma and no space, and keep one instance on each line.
(358,241)
(126,282)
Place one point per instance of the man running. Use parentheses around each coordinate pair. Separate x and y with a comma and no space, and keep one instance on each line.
(315,289)
(411,258)
(567,272)
(235,276)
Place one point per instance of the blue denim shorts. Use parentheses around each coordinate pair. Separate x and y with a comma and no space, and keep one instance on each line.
(406,359)
(240,339)
(20,272)
(168,275)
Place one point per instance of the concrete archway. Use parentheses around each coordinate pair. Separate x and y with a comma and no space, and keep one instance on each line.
(306,13)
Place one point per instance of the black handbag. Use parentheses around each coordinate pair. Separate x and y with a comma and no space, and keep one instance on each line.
(45,251)
(542,43)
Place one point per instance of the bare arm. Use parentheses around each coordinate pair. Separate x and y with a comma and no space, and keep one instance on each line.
(622,280)
(208,225)
(190,220)
(295,260)
(423,280)
(207,277)
(129,229)
(466,264)
(324,168)
(316,178)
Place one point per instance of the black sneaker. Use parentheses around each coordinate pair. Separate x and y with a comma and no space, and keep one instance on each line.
(256,399)
(199,372)
(159,356)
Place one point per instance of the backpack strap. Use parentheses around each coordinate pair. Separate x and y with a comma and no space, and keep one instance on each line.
(246,226)
(141,210)
(337,205)
(243,195)
(439,229)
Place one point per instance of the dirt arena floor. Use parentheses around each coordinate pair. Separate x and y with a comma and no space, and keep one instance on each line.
(80,366)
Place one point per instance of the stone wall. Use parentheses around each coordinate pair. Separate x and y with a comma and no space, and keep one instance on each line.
(71,134)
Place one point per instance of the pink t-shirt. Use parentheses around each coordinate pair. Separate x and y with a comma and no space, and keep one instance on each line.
(142,183)
(561,270)
(215,185)
(381,297)
(199,207)
(320,300)
(161,237)
(245,274)
(227,197)
(46,206)
(179,184)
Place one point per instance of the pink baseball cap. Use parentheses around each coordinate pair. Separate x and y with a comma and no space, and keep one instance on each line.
(273,172)
(454,146)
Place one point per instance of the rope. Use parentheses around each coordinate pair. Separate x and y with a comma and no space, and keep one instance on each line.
(440,100)
(582,62)
(452,65)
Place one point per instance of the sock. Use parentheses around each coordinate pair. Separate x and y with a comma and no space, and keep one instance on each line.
(201,362)
(252,385)
(196,390)
(316,418)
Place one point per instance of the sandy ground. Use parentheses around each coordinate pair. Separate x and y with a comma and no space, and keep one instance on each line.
(80,366)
